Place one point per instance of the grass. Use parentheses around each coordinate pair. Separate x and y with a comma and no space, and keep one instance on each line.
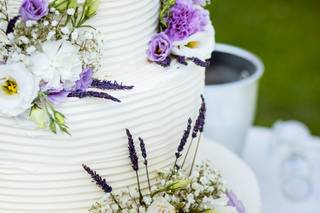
(286,35)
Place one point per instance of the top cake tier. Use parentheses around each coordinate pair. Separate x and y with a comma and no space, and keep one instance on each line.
(126,27)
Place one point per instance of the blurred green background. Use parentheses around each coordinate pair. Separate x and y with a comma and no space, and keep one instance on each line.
(285,34)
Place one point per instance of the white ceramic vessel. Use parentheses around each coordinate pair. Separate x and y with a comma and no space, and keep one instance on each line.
(232,106)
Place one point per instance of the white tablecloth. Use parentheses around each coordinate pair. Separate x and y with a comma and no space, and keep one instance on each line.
(259,155)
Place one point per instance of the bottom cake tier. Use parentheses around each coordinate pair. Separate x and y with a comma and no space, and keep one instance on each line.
(42,172)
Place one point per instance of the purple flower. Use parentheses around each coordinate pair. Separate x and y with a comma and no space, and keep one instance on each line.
(159,47)
(33,9)
(235,202)
(85,80)
(185,20)
(57,97)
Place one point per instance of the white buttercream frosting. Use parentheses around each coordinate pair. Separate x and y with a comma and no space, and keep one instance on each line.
(126,27)
(41,172)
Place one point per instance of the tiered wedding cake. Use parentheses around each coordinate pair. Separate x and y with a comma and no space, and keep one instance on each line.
(41,172)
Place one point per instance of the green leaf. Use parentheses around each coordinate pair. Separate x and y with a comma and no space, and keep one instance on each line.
(53,126)
(91,8)
(59,118)
(166,6)
(180,184)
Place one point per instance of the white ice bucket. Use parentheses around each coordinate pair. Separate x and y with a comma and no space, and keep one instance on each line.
(231,95)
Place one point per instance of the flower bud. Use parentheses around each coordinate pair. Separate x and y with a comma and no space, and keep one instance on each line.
(39,116)
(91,7)
(60,119)
(180,184)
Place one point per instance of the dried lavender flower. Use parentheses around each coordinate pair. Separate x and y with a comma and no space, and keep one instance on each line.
(165,63)
(143,151)
(182,60)
(84,94)
(11,24)
(184,139)
(108,85)
(132,152)
(144,155)
(199,62)
(199,125)
(102,183)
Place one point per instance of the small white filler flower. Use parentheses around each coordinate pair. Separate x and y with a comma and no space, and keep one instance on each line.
(161,205)
(18,89)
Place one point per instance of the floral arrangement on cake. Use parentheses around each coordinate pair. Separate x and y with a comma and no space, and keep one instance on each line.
(47,54)
(195,190)
(186,34)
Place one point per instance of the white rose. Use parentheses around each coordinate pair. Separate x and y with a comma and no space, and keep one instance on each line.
(199,45)
(161,205)
(57,65)
(18,88)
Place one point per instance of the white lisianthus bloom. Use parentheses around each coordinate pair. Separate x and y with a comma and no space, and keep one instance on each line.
(57,65)
(18,89)
(199,45)
(161,205)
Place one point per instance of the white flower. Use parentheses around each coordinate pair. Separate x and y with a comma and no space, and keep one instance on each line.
(71,11)
(65,30)
(57,65)
(199,45)
(161,205)
(54,23)
(31,49)
(18,88)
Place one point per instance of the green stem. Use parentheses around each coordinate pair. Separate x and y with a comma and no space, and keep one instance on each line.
(187,153)
(195,154)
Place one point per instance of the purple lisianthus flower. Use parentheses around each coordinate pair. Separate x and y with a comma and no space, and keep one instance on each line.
(235,202)
(159,47)
(56,97)
(33,9)
(185,20)
(85,80)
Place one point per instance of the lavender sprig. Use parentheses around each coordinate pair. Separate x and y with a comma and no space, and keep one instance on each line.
(144,155)
(182,60)
(202,118)
(84,94)
(101,182)
(165,63)
(11,24)
(198,126)
(132,152)
(184,139)
(199,62)
(134,162)
(108,85)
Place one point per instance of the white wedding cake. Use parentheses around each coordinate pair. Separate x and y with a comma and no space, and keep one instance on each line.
(41,171)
